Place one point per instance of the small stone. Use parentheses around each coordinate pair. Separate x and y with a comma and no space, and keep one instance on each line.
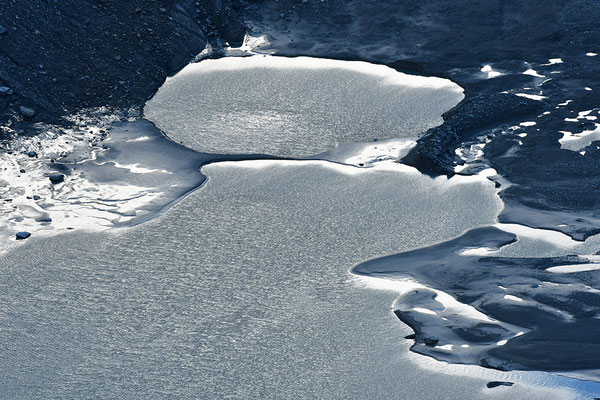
(162,10)
(36,197)
(22,235)
(494,384)
(431,341)
(22,171)
(5,91)
(26,111)
(3,30)
(56,178)
(31,154)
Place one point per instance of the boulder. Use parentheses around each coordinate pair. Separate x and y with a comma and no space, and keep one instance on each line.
(56,178)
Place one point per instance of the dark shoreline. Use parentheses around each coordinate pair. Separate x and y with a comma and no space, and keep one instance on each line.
(547,320)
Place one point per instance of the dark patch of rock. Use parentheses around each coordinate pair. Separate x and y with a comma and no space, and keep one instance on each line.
(494,384)
(77,41)
(22,235)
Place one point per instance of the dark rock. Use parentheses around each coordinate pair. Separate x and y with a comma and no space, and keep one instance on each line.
(22,235)
(26,111)
(3,30)
(56,178)
(22,171)
(494,384)
(36,197)
(412,336)
(431,341)
(31,154)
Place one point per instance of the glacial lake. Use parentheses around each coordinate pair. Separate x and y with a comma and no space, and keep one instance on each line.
(242,290)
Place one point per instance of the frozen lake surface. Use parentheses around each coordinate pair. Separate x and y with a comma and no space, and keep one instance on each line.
(242,290)
(295,107)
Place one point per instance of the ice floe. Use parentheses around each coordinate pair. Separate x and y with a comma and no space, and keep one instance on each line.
(323,104)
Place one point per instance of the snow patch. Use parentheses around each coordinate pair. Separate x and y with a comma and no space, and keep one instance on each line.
(569,269)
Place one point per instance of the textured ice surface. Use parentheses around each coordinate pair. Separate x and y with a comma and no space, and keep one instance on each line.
(242,291)
(295,107)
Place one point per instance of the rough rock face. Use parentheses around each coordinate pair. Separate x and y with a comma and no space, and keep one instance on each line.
(58,56)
